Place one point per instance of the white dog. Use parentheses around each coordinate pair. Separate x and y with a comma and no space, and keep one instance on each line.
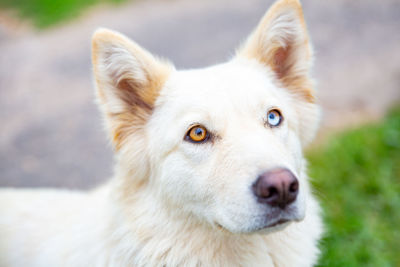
(209,168)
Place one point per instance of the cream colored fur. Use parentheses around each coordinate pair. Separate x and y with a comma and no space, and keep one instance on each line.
(172,202)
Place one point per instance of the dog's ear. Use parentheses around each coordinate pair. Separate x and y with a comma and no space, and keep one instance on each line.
(281,42)
(128,82)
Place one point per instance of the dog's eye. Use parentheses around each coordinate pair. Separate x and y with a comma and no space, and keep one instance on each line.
(274,118)
(197,134)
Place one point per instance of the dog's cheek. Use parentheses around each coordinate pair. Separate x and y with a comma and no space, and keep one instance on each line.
(299,165)
(182,183)
(294,151)
(308,116)
(304,192)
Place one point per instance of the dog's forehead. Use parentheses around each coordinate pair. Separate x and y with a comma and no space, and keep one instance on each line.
(234,84)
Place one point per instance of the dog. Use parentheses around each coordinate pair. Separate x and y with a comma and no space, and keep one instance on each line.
(209,166)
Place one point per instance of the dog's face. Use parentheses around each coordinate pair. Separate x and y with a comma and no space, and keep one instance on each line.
(222,144)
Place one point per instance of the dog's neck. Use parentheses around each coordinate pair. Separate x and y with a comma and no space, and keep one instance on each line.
(152,234)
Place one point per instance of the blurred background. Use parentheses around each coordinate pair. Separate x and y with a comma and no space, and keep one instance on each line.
(51,130)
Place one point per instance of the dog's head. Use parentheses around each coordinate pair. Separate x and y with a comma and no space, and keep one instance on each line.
(224,143)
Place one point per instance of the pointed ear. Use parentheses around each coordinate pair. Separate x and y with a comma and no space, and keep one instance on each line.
(281,42)
(128,80)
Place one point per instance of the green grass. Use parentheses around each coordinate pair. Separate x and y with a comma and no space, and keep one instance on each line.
(357,178)
(45,13)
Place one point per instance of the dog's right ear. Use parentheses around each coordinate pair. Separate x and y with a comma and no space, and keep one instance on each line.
(128,82)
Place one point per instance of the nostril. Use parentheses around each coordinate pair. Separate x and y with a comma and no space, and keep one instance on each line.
(294,187)
(264,190)
(272,191)
(269,193)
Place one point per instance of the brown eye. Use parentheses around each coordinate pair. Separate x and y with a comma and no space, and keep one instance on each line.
(197,134)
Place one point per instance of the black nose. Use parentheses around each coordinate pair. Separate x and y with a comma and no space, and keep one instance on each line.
(278,187)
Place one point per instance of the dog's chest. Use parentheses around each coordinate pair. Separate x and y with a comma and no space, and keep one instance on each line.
(194,250)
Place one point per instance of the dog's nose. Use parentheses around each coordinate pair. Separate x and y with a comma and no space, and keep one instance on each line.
(278,187)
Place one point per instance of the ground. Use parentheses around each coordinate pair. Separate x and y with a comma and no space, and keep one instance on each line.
(51,132)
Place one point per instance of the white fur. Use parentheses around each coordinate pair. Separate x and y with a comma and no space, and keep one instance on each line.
(172,202)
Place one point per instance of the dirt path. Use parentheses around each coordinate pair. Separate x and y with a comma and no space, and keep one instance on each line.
(51,133)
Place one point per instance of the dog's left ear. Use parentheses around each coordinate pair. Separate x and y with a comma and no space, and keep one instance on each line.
(281,42)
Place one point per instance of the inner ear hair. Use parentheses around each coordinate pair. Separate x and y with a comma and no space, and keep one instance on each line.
(279,63)
(129,93)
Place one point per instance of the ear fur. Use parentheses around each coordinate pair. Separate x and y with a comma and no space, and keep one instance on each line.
(128,80)
(281,42)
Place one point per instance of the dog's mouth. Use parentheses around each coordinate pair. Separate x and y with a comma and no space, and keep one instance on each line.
(264,222)
(273,226)
(280,221)
(276,222)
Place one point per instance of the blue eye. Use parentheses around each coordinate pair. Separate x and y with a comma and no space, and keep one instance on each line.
(274,118)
